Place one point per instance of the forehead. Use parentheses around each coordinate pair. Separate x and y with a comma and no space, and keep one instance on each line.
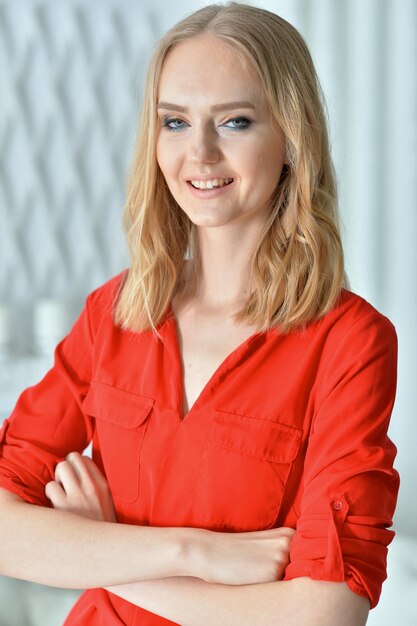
(206,70)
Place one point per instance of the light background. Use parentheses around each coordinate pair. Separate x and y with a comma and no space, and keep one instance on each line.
(71,76)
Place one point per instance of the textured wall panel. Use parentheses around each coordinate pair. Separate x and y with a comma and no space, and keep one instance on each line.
(71,77)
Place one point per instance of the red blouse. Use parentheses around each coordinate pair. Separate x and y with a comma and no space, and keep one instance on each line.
(290,430)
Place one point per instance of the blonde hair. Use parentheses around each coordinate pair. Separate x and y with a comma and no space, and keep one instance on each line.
(297,270)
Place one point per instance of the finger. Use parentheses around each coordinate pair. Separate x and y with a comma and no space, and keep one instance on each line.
(66,475)
(95,471)
(55,493)
(87,470)
(101,481)
(73,459)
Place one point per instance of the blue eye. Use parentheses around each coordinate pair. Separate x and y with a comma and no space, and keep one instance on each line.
(245,121)
(168,121)
(173,120)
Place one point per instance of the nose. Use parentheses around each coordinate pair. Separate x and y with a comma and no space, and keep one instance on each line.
(203,146)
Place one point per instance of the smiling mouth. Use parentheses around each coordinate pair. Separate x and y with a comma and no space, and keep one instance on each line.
(230,181)
(210,192)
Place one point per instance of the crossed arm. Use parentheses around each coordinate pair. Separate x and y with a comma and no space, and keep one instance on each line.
(190,601)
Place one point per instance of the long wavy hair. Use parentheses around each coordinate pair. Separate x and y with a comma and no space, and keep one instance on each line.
(297,269)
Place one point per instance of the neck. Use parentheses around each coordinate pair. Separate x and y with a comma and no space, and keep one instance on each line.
(223,280)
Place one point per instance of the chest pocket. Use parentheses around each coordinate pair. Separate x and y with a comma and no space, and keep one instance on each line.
(243,472)
(121,421)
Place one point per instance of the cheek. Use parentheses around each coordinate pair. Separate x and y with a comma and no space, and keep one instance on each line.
(272,161)
(258,165)
(167,157)
(160,154)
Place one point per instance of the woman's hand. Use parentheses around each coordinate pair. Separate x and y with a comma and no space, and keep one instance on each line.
(81,488)
(225,558)
(243,558)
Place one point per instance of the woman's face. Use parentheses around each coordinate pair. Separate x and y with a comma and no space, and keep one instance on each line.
(196,140)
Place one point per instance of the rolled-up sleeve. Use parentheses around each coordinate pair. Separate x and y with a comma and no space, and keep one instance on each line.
(47,421)
(350,485)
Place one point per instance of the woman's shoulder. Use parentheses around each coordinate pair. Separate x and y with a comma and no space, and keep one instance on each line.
(354,337)
(354,315)
(109,288)
(100,301)
(356,307)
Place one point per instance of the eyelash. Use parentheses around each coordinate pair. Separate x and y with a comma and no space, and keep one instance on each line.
(170,120)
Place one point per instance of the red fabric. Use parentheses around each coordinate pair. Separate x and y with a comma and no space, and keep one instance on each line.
(290,430)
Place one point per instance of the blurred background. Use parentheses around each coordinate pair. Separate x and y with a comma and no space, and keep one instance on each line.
(71,84)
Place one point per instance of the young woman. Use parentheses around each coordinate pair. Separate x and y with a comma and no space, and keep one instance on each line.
(236,392)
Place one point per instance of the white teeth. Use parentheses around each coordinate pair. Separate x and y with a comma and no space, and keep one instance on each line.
(209,184)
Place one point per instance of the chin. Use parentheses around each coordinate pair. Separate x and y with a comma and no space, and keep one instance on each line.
(211,221)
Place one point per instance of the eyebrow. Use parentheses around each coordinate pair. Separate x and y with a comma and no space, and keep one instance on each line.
(240,104)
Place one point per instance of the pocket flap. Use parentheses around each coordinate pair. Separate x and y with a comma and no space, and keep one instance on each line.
(257,437)
(116,405)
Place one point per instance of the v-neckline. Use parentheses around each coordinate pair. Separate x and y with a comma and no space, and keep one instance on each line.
(171,318)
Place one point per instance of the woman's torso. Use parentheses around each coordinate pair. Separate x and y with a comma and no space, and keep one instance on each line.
(209,426)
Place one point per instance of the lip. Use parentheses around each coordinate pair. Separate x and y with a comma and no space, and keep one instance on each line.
(209,193)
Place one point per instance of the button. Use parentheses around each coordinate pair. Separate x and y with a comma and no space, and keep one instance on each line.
(337,505)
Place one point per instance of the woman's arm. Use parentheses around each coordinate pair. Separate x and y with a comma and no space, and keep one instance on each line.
(188,600)
(194,602)
(63,549)
(70,546)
